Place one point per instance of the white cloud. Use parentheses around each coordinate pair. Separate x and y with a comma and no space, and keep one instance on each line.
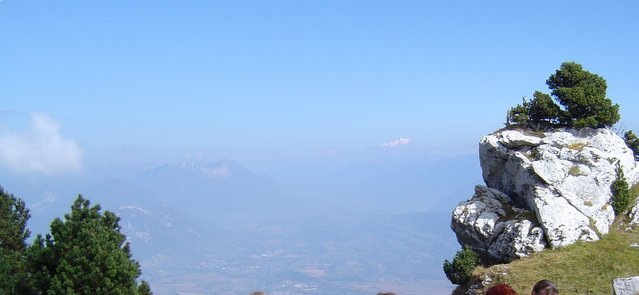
(39,149)
(395,143)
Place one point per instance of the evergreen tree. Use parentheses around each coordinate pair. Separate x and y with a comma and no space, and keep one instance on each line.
(518,114)
(620,193)
(583,94)
(144,289)
(632,142)
(542,111)
(13,233)
(460,270)
(84,254)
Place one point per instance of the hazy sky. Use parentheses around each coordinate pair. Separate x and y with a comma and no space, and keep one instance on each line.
(89,81)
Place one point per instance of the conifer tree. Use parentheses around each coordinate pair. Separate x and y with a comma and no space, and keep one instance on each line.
(632,142)
(13,233)
(620,200)
(460,270)
(543,112)
(578,100)
(84,254)
(583,95)
(144,289)
(519,114)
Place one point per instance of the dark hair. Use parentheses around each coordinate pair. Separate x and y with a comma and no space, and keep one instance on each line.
(545,287)
(501,289)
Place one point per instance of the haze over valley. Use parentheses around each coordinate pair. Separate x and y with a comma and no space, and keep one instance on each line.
(218,228)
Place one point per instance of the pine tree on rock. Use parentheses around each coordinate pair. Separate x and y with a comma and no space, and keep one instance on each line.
(543,112)
(583,94)
(578,100)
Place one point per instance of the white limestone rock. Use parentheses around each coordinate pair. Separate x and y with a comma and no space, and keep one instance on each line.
(496,228)
(626,286)
(634,213)
(518,239)
(515,139)
(563,176)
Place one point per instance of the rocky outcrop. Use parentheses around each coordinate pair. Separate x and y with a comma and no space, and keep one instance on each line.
(495,227)
(626,286)
(556,184)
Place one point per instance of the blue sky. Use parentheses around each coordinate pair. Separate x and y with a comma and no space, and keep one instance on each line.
(270,81)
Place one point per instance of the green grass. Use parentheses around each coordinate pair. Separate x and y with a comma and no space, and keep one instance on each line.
(578,146)
(581,268)
(634,192)
(574,171)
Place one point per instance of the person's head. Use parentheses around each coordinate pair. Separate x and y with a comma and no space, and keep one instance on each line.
(500,289)
(545,287)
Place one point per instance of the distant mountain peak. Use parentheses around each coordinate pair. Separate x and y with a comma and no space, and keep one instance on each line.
(221,169)
(217,170)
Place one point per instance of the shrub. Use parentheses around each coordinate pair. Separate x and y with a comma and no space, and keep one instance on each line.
(518,114)
(620,192)
(460,270)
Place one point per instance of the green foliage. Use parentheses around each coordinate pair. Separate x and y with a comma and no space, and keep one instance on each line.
(540,112)
(632,142)
(581,94)
(144,289)
(13,233)
(543,112)
(84,254)
(460,270)
(620,193)
(518,114)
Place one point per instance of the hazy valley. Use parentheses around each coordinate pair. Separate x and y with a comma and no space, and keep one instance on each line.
(218,228)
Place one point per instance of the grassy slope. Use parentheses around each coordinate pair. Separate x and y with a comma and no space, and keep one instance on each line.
(581,268)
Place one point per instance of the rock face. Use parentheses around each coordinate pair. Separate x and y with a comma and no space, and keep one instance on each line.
(626,286)
(495,227)
(556,183)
